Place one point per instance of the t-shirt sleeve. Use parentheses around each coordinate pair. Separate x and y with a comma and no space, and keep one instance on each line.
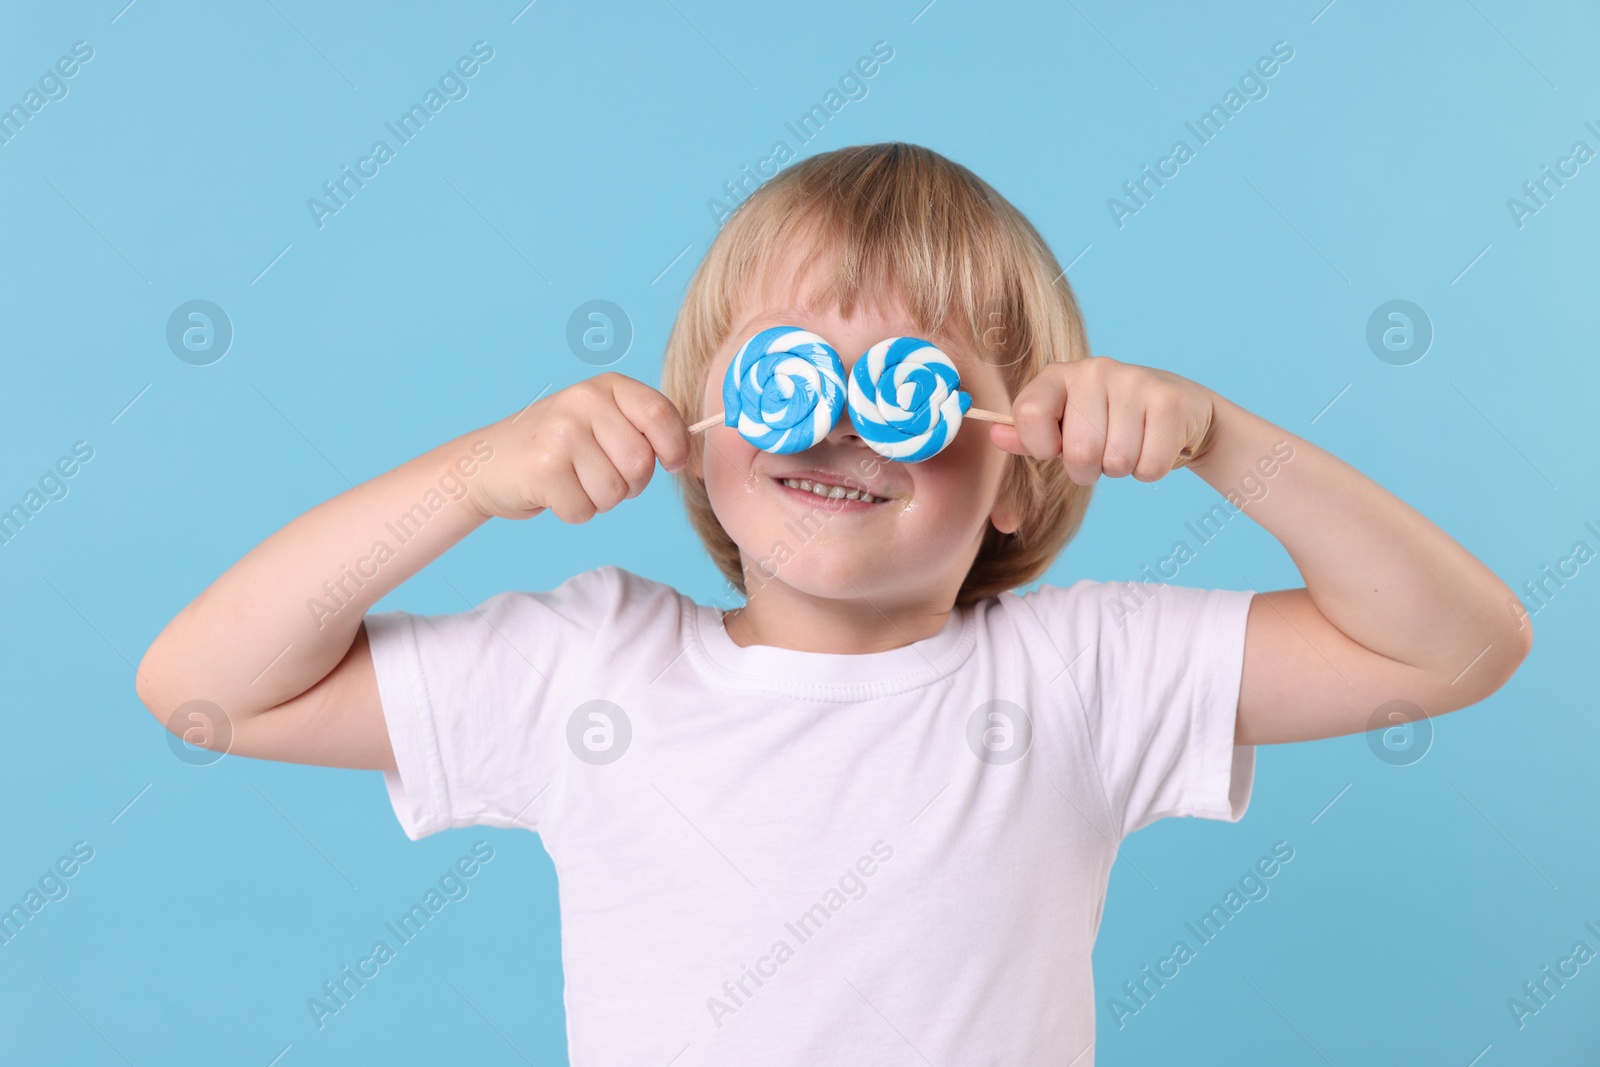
(472,702)
(1157,670)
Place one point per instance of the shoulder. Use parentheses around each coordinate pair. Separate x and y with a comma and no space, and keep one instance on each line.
(1115,610)
(600,595)
(1081,601)
(599,600)
(622,617)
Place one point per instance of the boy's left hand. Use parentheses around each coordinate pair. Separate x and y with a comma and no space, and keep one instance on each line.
(1105,417)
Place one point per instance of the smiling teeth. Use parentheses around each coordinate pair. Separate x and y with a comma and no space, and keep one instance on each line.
(833,492)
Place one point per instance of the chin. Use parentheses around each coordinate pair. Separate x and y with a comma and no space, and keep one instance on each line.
(847,575)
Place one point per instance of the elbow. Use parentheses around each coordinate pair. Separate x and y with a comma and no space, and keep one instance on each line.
(1506,646)
(1525,631)
(148,693)
(179,697)
(1516,636)
(197,724)
(150,684)
(1522,648)
(1506,666)
(143,687)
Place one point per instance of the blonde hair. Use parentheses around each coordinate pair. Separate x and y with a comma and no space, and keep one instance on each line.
(899,219)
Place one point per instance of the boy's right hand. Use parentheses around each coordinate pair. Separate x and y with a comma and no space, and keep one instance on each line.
(579,451)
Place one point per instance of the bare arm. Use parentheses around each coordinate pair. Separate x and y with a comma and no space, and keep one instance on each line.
(276,645)
(279,629)
(1392,609)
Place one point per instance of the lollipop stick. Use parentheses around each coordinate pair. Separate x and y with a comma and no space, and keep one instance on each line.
(707,422)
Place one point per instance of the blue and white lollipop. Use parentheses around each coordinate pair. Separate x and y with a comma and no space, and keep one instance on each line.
(784,390)
(906,400)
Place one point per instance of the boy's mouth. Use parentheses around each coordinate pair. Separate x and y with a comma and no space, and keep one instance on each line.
(834,488)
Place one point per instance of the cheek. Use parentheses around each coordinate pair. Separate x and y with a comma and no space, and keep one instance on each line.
(950,490)
(727,461)
(958,490)
(971,466)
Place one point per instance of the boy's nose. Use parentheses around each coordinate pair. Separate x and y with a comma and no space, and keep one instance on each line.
(844,430)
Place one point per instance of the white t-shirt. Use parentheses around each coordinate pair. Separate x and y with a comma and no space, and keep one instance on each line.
(777,857)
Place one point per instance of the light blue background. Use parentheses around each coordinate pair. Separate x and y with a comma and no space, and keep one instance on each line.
(579,167)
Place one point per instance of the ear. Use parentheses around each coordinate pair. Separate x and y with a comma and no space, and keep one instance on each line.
(1006,515)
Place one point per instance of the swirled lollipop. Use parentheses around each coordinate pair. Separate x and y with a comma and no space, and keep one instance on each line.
(906,400)
(784,390)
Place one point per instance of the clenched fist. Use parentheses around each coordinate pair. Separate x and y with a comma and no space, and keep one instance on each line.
(1105,417)
(580,451)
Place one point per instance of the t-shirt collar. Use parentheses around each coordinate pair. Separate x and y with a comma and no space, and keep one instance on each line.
(830,676)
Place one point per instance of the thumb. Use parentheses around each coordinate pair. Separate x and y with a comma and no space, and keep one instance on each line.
(1006,438)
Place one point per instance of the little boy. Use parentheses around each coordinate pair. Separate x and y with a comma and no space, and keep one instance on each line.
(868,817)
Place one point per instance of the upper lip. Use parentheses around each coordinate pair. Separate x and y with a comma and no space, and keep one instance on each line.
(812,474)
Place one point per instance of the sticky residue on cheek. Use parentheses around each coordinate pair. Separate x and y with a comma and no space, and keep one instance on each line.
(903,501)
(752,475)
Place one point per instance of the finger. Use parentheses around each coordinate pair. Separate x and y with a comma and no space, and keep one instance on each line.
(626,447)
(1083,437)
(602,483)
(561,491)
(1124,434)
(662,424)
(1163,438)
(1037,415)
(1005,437)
